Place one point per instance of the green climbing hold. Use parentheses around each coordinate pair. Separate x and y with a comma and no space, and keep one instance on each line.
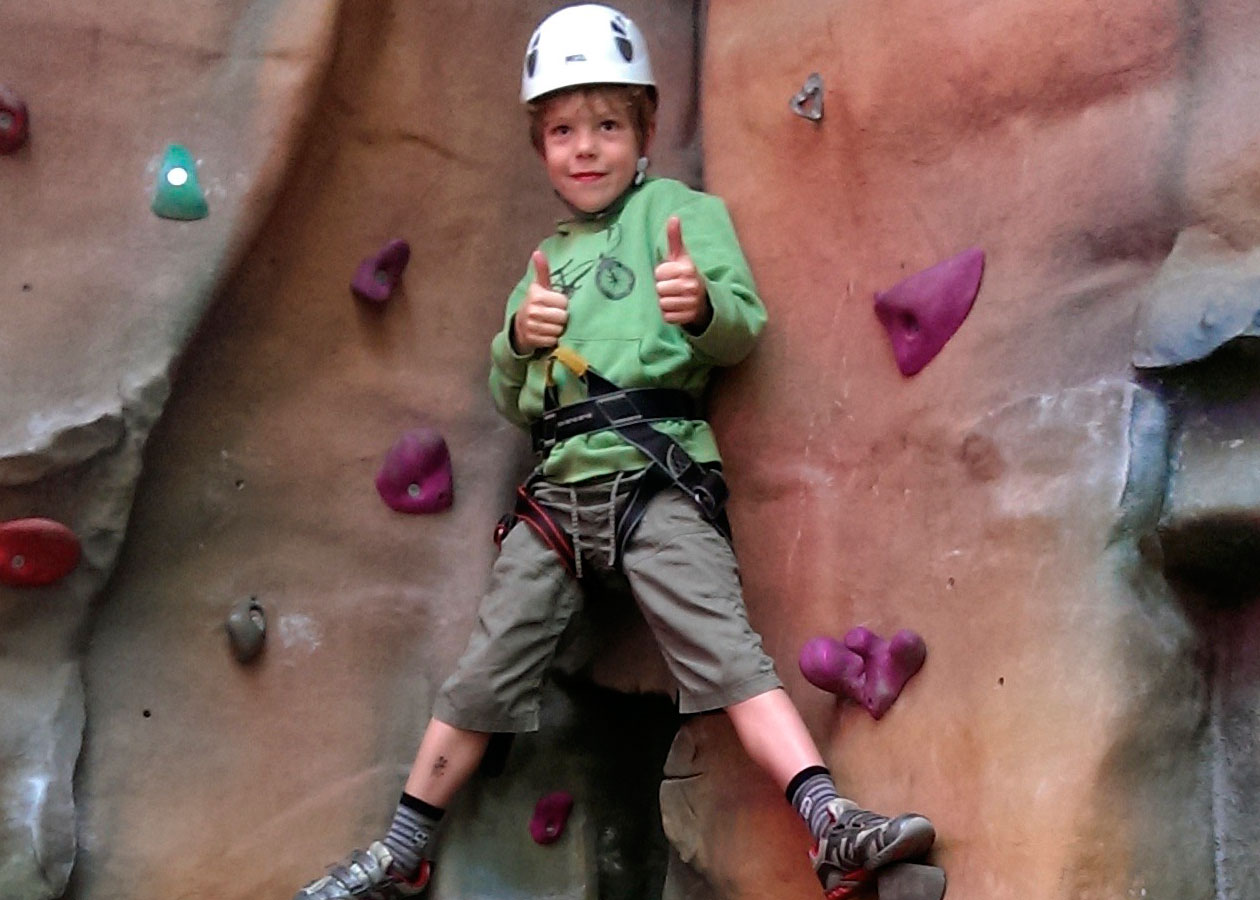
(177,195)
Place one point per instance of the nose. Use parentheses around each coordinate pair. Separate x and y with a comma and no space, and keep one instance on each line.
(585,142)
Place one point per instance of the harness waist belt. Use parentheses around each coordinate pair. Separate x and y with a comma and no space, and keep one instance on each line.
(613,410)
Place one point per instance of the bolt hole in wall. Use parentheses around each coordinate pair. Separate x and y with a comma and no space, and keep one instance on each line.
(1208,542)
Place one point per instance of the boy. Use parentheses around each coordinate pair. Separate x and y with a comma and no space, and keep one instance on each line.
(606,351)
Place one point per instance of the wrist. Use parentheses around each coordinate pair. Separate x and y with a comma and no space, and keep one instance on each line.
(513,340)
(701,322)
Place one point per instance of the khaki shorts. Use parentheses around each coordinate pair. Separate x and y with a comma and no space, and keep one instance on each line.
(681,572)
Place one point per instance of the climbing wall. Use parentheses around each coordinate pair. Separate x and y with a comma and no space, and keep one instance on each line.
(100,296)
(993,460)
(1082,725)
(318,134)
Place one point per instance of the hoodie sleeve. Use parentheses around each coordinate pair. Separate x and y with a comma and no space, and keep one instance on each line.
(507,367)
(738,313)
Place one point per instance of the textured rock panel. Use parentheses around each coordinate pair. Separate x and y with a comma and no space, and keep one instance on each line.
(42,711)
(259,480)
(1205,295)
(1004,502)
(100,298)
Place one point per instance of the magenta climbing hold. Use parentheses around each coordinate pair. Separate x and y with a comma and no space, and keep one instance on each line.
(829,665)
(36,552)
(925,310)
(14,121)
(416,474)
(887,665)
(378,275)
(551,812)
(866,669)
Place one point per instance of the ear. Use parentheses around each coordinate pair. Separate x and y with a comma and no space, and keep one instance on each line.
(647,138)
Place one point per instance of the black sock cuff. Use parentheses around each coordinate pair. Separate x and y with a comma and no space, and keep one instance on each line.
(803,776)
(428,810)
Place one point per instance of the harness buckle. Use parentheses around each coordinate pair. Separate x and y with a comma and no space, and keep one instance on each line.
(710,494)
(618,408)
(547,433)
(705,500)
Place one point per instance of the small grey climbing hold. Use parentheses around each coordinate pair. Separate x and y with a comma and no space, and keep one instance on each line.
(808,101)
(247,628)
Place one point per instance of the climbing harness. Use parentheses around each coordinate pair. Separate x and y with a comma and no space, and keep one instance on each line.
(629,412)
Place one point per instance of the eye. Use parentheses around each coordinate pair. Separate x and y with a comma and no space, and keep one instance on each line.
(610,125)
(559,130)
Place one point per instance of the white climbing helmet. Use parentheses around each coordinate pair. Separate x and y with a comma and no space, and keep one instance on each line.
(585,44)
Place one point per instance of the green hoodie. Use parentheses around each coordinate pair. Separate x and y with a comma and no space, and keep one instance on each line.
(606,269)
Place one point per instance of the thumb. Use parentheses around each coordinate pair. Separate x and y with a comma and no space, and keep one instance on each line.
(673,233)
(542,271)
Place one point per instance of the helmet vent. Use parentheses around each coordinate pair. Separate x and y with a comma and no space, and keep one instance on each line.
(624,47)
(531,55)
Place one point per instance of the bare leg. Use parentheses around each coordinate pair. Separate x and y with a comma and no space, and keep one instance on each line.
(773,733)
(445,760)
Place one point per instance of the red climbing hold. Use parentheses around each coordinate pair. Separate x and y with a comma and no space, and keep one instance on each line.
(14,121)
(551,813)
(416,474)
(36,552)
(378,275)
(923,312)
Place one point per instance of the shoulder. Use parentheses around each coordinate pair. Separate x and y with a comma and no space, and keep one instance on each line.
(660,198)
(670,192)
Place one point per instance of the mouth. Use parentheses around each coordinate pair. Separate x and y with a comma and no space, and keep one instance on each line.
(586,177)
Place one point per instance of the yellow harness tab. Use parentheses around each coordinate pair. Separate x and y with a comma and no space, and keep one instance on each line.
(571,360)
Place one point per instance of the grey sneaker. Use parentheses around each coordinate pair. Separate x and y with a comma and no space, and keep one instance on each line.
(860,841)
(366,875)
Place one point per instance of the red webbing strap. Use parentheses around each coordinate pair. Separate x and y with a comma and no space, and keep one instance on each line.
(535,515)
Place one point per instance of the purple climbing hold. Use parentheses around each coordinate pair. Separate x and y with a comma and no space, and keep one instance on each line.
(924,311)
(378,275)
(866,669)
(551,813)
(14,121)
(829,665)
(416,474)
(887,665)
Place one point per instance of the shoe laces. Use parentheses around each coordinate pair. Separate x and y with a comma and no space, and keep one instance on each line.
(860,820)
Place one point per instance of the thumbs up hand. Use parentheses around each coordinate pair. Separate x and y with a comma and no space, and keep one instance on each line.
(543,313)
(679,287)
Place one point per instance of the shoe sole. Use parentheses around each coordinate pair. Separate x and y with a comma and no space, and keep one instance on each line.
(899,881)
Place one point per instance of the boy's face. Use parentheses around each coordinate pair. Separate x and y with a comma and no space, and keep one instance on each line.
(589,149)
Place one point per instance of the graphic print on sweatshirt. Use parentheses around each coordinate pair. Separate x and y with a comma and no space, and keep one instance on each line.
(613,278)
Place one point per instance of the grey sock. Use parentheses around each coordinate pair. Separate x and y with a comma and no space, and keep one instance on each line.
(410,833)
(809,793)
